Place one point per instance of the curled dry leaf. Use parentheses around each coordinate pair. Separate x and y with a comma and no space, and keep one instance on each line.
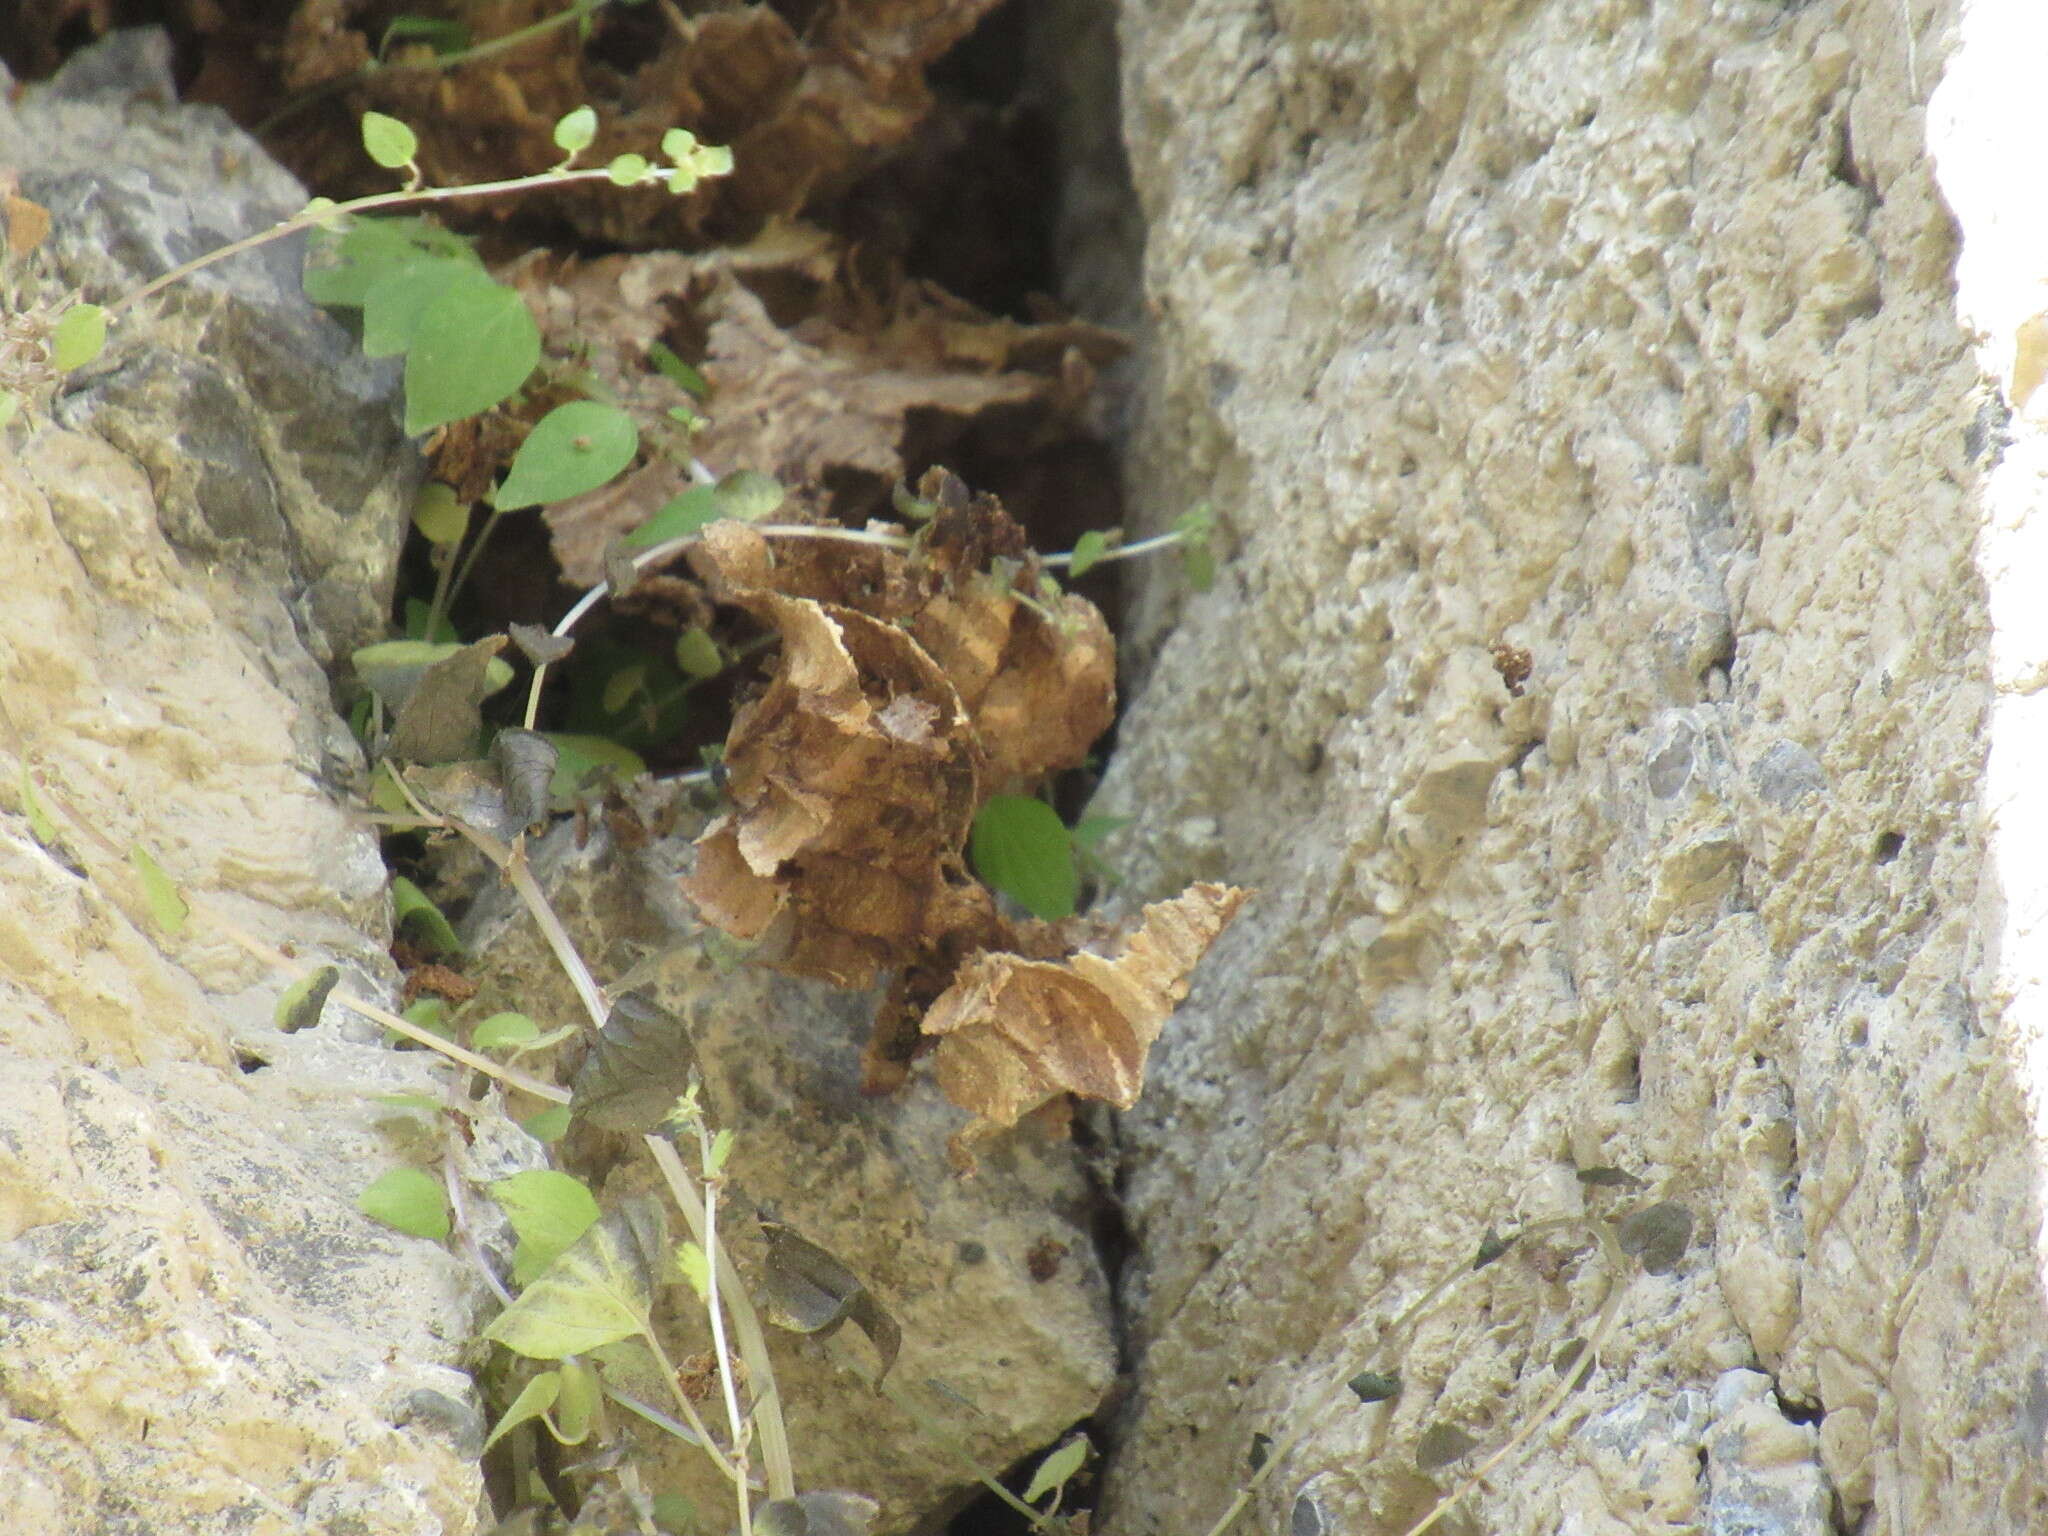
(1013,1033)
(854,780)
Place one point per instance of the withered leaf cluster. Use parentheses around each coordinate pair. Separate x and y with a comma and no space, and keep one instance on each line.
(908,689)
(832,389)
(808,106)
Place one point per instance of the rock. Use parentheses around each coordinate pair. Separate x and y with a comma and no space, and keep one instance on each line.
(198,1330)
(1690,349)
(993,1280)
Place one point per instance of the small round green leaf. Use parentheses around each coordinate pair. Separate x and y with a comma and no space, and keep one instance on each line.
(1020,846)
(714,160)
(627,170)
(574,448)
(1088,549)
(77,337)
(409,1200)
(395,301)
(698,654)
(390,143)
(504,1029)
(473,346)
(576,129)
(440,518)
(551,1124)
(749,495)
(1057,1469)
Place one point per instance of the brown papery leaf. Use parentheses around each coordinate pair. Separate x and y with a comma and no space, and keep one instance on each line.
(1014,1033)
(854,778)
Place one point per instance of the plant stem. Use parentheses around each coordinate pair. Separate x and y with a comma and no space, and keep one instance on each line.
(308,217)
(720,1352)
(1121,552)
(775,1452)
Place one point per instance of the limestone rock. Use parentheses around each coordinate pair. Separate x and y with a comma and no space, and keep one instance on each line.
(993,1280)
(1645,339)
(198,1331)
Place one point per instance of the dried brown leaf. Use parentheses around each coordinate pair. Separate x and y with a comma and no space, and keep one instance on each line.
(1013,1033)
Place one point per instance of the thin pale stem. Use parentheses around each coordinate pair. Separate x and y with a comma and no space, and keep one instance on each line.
(688,1409)
(1121,552)
(733,1417)
(768,1422)
(309,217)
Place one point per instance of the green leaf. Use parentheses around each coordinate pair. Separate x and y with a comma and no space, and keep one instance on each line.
(443,714)
(577,1409)
(440,518)
(698,654)
(621,686)
(1194,529)
(576,130)
(410,907)
(1088,550)
(40,826)
(410,1200)
(641,1061)
(594,1294)
(1057,1468)
(1440,1445)
(1374,1386)
(341,268)
(678,372)
(503,1029)
(749,495)
(678,143)
(582,759)
(574,448)
(429,1014)
(695,1268)
(393,304)
(721,1149)
(680,518)
(627,170)
(1656,1237)
(714,160)
(534,1399)
(299,1005)
(1020,847)
(550,1124)
(167,908)
(389,142)
(394,669)
(549,1211)
(473,347)
(77,337)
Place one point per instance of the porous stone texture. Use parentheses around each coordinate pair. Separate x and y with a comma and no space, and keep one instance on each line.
(198,1331)
(993,1281)
(1631,334)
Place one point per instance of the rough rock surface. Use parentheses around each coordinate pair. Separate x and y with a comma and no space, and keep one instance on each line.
(994,1280)
(1635,337)
(198,1331)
